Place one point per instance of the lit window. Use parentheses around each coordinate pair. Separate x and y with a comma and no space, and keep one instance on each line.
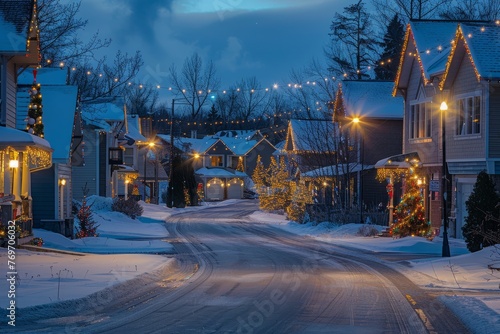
(468,117)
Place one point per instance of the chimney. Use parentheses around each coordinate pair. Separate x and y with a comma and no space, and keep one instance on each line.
(194,133)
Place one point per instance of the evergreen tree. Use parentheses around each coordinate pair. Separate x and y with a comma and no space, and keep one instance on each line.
(259,178)
(175,191)
(279,184)
(213,118)
(296,211)
(388,64)
(409,214)
(481,229)
(86,224)
(35,112)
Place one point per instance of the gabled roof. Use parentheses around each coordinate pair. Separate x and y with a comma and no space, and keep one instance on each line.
(133,129)
(103,112)
(429,43)
(311,135)
(191,145)
(481,44)
(59,105)
(371,99)
(15,21)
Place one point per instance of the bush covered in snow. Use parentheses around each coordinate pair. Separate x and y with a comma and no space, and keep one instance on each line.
(368,231)
(130,207)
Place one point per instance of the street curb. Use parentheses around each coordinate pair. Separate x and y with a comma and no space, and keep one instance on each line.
(49,250)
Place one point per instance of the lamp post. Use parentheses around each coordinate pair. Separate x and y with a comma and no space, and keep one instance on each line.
(62,183)
(446,246)
(171,160)
(357,120)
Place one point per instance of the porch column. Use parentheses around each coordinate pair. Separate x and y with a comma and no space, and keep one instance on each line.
(26,175)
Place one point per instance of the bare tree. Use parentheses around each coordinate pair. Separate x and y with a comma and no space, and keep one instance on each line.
(312,92)
(142,100)
(60,26)
(194,83)
(253,99)
(353,48)
(407,10)
(226,103)
(487,10)
(103,79)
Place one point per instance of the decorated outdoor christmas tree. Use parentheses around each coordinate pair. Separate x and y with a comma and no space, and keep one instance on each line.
(86,226)
(409,214)
(296,211)
(34,119)
(240,166)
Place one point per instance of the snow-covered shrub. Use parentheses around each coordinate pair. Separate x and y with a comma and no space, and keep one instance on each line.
(368,231)
(130,207)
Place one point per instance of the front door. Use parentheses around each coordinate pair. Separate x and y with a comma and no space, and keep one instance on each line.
(464,189)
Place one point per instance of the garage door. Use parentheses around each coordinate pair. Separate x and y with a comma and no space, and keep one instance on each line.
(215,190)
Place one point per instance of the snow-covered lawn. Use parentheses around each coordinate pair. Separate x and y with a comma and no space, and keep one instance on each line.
(127,248)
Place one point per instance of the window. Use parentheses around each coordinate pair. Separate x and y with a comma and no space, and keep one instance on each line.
(468,116)
(128,156)
(234,161)
(216,161)
(420,121)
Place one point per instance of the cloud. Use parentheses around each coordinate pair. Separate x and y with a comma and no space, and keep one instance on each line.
(233,57)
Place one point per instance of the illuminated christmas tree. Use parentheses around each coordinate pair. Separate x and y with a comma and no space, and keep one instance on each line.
(34,119)
(409,214)
(296,211)
(86,226)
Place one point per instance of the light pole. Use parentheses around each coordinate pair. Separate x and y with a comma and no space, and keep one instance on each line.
(357,120)
(446,246)
(171,160)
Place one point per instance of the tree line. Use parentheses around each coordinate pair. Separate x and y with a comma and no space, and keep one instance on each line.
(366,39)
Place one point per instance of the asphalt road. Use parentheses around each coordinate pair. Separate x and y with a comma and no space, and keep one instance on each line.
(233,276)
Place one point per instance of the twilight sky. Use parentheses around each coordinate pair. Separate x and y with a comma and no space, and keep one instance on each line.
(244,38)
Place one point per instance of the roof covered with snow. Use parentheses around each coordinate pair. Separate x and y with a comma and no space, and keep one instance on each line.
(190,145)
(340,169)
(219,172)
(18,139)
(103,112)
(15,18)
(371,99)
(434,42)
(59,105)
(133,128)
(483,42)
(311,135)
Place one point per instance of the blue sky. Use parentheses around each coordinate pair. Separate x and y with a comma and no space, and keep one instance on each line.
(244,38)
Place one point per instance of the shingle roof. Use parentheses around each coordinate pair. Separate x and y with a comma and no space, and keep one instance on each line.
(312,135)
(484,45)
(15,19)
(433,40)
(371,99)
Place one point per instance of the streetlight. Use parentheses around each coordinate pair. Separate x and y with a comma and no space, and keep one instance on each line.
(446,246)
(357,120)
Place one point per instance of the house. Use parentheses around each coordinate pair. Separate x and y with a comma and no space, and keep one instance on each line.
(440,62)
(21,153)
(471,88)
(125,176)
(104,129)
(52,188)
(338,156)
(224,161)
(379,131)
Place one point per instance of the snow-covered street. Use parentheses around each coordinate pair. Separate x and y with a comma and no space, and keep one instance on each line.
(133,249)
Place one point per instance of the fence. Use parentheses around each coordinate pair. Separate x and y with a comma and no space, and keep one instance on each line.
(323,213)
